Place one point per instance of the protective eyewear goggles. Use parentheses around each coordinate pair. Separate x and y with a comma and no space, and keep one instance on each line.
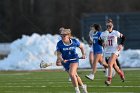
(63,35)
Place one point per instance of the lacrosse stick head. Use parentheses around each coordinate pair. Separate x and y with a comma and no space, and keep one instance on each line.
(43,64)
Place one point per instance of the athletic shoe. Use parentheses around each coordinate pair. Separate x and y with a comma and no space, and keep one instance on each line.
(84,88)
(122,76)
(77,91)
(69,79)
(90,76)
(107,82)
(123,79)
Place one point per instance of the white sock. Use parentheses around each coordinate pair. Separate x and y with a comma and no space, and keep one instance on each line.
(82,86)
(77,89)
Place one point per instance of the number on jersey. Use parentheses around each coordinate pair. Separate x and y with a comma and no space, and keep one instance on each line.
(110,42)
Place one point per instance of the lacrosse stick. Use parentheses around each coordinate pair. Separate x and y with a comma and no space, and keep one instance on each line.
(44,64)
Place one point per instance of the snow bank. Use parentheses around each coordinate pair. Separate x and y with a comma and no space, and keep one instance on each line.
(27,52)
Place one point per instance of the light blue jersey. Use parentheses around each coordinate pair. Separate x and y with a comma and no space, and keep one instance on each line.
(96,47)
(68,51)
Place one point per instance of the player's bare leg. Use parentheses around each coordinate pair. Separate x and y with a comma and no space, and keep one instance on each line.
(105,65)
(73,75)
(111,62)
(94,66)
(119,71)
(82,86)
(103,62)
(91,58)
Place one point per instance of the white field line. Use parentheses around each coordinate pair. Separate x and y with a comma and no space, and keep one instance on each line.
(16,74)
(100,69)
(42,92)
(70,92)
(14,83)
(49,82)
(106,86)
(88,86)
(113,92)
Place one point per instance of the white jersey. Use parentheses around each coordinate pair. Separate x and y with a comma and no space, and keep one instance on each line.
(111,42)
(91,33)
(91,38)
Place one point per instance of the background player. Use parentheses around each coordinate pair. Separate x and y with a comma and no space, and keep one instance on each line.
(97,49)
(91,53)
(112,49)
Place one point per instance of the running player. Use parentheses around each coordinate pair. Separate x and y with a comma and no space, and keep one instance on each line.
(112,49)
(91,53)
(97,50)
(66,49)
(61,29)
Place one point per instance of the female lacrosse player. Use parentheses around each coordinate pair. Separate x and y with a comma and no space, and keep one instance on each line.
(60,30)
(112,49)
(91,53)
(97,49)
(66,50)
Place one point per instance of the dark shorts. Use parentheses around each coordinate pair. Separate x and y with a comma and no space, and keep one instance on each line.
(98,52)
(67,64)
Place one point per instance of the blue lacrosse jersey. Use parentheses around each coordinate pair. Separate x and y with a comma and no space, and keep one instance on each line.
(68,52)
(98,49)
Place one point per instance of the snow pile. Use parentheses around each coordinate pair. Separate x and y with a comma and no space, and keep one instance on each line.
(26,54)
(130,58)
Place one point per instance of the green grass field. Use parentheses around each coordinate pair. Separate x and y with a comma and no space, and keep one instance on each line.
(57,82)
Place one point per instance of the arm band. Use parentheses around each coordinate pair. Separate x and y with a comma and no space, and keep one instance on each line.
(122,40)
(100,42)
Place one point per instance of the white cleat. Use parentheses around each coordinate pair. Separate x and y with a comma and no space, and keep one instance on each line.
(69,79)
(107,82)
(84,89)
(77,91)
(90,76)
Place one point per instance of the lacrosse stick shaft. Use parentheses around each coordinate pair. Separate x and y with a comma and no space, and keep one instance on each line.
(72,59)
